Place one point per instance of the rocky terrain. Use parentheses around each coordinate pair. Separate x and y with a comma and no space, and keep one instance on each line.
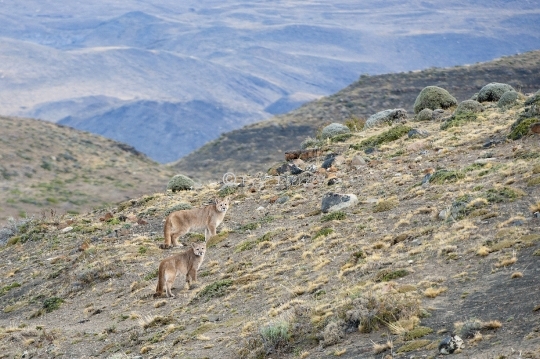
(439,235)
(45,167)
(254,148)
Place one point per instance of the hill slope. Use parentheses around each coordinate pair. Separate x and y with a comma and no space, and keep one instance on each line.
(45,166)
(255,147)
(244,60)
(413,261)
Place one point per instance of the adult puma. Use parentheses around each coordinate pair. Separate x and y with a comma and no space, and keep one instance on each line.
(186,263)
(181,222)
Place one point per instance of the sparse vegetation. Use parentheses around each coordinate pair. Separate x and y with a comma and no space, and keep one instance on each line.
(180,183)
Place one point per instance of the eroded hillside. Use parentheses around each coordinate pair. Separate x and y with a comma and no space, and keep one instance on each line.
(444,239)
(46,167)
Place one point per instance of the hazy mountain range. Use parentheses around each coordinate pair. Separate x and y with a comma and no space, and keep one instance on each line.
(168,76)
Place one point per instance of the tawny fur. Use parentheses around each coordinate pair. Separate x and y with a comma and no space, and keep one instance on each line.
(186,263)
(181,222)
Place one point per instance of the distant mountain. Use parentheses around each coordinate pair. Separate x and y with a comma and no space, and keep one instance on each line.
(224,64)
(255,147)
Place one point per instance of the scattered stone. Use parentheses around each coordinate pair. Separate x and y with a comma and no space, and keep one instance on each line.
(387,117)
(261,208)
(298,162)
(303,154)
(67,229)
(438,113)
(414,133)
(433,97)
(106,217)
(358,161)
(492,92)
(334,201)
(141,221)
(282,199)
(450,344)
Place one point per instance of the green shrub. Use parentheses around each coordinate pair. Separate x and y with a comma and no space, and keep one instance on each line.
(275,336)
(502,194)
(425,115)
(227,190)
(333,129)
(310,143)
(493,91)
(418,332)
(534,99)
(178,207)
(433,97)
(244,246)
(508,99)
(180,183)
(469,106)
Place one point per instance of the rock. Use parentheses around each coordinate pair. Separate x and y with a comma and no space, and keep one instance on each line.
(334,129)
(450,344)
(438,113)
(67,229)
(358,161)
(493,91)
(302,154)
(282,199)
(387,117)
(334,201)
(106,217)
(328,162)
(433,97)
(535,127)
(414,133)
(298,162)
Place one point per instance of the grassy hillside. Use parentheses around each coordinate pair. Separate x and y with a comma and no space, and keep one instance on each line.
(391,276)
(254,147)
(46,167)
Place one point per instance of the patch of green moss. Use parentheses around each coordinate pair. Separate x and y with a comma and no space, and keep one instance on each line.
(214,290)
(8,287)
(227,190)
(249,226)
(502,194)
(443,176)
(323,232)
(535,181)
(341,138)
(459,120)
(51,304)
(418,332)
(391,135)
(244,246)
(414,345)
(521,127)
(385,205)
(334,216)
(151,275)
(386,275)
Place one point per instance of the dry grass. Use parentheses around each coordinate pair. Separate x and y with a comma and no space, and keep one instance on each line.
(432,292)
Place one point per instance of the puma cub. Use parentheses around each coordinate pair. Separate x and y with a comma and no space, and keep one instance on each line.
(181,222)
(187,263)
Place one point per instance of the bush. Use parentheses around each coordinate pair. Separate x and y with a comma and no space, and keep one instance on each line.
(425,115)
(521,127)
(434,97)
(469,106)
(533,100)
(180,183)
(310,143)
(387,117)
(493,91)
(214,290)
(508,99)
(334,129)
(178,207)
